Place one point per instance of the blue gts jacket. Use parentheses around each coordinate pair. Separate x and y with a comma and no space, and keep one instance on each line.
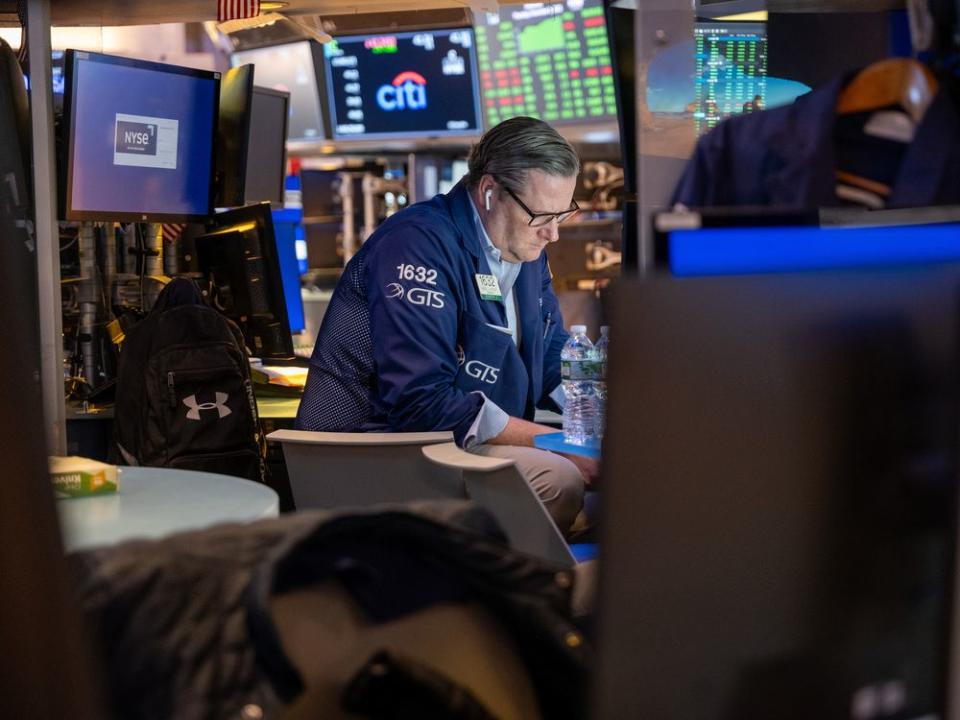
(785,157)
(407,343)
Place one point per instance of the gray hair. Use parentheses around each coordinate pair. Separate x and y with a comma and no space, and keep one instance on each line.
(515,146)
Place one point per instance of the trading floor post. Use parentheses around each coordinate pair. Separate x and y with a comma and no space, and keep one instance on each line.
(45,208)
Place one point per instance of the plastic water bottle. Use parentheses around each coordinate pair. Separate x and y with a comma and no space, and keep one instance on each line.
(579,370)
(600,388)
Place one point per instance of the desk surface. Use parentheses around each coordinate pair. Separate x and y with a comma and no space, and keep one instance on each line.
(154,502)
(268,407)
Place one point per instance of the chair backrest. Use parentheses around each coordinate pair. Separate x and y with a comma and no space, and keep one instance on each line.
(496,485)
(329,470)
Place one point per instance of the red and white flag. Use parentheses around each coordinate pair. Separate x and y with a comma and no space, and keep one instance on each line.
(237,9)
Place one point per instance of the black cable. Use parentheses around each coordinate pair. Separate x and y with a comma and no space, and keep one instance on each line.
(22,53)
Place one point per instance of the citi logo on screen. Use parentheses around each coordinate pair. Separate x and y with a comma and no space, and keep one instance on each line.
(407,91)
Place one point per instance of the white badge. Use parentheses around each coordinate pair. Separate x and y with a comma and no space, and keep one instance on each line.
(489,287)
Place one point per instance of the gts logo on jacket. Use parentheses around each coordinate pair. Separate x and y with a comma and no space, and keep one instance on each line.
(424,297)
(482,372)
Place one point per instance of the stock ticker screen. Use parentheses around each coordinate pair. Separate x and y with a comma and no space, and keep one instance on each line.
(730,71)
(403,84)
(547,60)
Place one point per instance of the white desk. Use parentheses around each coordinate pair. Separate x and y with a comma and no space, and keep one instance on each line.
(154,502)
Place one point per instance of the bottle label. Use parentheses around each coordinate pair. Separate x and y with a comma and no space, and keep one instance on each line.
(575,370)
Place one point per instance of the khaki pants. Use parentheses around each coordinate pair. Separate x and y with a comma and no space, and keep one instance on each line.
(556,480)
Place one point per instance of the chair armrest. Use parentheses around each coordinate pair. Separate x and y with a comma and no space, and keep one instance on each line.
(449,455)
(307,437)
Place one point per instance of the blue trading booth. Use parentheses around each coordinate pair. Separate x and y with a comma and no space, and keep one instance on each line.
(311,408)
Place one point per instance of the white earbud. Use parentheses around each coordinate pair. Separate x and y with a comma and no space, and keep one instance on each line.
(486,198)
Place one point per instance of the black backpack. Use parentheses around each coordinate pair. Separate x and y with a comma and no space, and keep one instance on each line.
(184,395)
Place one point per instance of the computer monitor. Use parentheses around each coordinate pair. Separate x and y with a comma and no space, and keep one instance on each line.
(779,476)
(731,243)
(293,68)
(241,264)
(546,60)
(408,84)
(730,71)
(139,140)
(267,152)
(234,135)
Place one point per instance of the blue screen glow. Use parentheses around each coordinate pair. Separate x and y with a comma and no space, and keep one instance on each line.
(285,223)
(729,251)
(142,140)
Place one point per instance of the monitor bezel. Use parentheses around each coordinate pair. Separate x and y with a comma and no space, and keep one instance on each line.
(475,131)
(224,179)
(70,213)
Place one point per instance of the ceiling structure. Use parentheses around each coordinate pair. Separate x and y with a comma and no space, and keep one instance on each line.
(151,12)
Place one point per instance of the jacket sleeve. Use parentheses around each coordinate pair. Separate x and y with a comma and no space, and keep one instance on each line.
(556,337)
(702,181)
(414,318)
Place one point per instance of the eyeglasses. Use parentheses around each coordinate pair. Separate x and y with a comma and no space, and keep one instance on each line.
(541,219)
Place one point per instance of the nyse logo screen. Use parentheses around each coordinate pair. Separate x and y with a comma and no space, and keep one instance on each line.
(134,137)
(143,141)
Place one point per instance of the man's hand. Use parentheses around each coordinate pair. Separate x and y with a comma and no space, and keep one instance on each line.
(588,467)
(521,432)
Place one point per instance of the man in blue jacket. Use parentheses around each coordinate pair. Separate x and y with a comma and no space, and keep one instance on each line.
(446,319)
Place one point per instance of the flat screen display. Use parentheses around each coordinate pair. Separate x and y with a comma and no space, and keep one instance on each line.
(266,153)
(139,140)
(291,68)
(411,84)
(546,60)
(721,71)
(730,71)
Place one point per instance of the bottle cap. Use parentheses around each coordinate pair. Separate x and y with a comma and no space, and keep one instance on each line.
(578,329)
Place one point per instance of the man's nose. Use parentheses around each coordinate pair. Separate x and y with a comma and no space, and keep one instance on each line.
(551,231)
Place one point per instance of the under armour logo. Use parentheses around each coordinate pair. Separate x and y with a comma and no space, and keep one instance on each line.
(220,406)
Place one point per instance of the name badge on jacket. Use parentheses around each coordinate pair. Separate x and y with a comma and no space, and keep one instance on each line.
(489,287)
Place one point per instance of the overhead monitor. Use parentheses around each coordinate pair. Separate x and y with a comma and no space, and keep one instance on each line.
(242,265)
(139,140)
(293,68)
(411,84)
(546,60)
(720,72)
(266,152)
(233,135)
